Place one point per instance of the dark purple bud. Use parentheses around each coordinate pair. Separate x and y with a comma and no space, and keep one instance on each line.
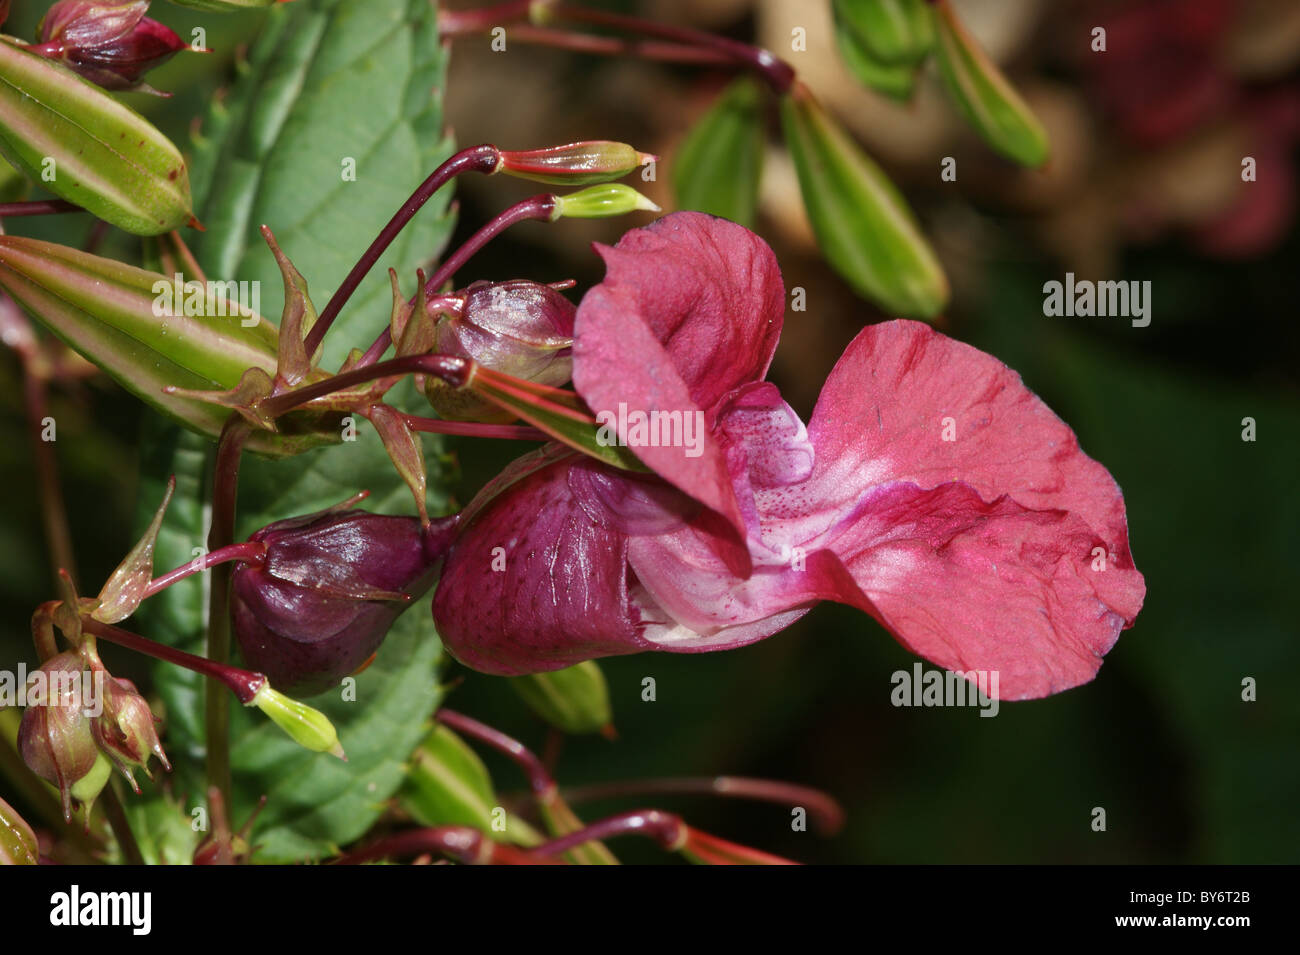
(331,585)
(111,44)
(54,736)
(125,731)
(521,328)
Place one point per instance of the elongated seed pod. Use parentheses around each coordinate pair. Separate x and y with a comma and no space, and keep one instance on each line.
(84,146)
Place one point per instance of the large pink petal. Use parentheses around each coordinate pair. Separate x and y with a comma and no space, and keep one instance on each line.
(534,583)
(626,373)
(976,585)
(708,290)
(901,389)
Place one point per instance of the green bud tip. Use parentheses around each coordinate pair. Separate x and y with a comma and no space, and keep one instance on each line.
(598,202)
(307,727)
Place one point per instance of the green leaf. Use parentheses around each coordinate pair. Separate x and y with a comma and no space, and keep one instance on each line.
(329,83)
(575,699)
(984,96)
(718,167)
(862,222)
(102,155)
(891,32)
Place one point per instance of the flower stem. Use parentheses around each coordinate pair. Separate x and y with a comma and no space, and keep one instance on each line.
(777,73)
(484,158)
(242,683)
(248,552)
(225,486)
(826,813)
(617,46)
(38,207)
(462,843)
(474,429)
(453,370)
(49,490)
(665,828)
(539,780)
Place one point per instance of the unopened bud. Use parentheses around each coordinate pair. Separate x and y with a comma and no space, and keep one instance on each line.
(576,163)
(54,736)
(125,731)
(331,585)
(600,202)
(306,726)
(111,44)
(521,328)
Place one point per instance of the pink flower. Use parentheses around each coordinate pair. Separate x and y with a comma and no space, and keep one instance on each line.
(931,489)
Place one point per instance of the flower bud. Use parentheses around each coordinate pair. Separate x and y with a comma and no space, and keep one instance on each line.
(54,736)
(521,328)
(306,726)
(331,584)
(574,164)
(574,700)
(599,202)
(111,44)
(125,731)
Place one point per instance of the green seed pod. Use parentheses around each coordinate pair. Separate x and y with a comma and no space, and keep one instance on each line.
(149,331)
(893,79)
(77,141)
(575,699)
(17,841)
(717,168)
(448,785)
(984,96)
(862,223)
(893,32)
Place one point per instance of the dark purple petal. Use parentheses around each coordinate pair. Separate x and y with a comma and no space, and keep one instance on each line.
(534,583)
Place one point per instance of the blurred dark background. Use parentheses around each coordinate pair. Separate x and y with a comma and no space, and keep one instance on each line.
(1144,185)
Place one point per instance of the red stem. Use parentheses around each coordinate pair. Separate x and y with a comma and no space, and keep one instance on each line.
(240,682)
(539,780)
(617,46)
(483,158)
(665,828)
(462,843)
(455,371)
(826,813)
(38,207)
(474,429)
(778,74)
(248,552)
